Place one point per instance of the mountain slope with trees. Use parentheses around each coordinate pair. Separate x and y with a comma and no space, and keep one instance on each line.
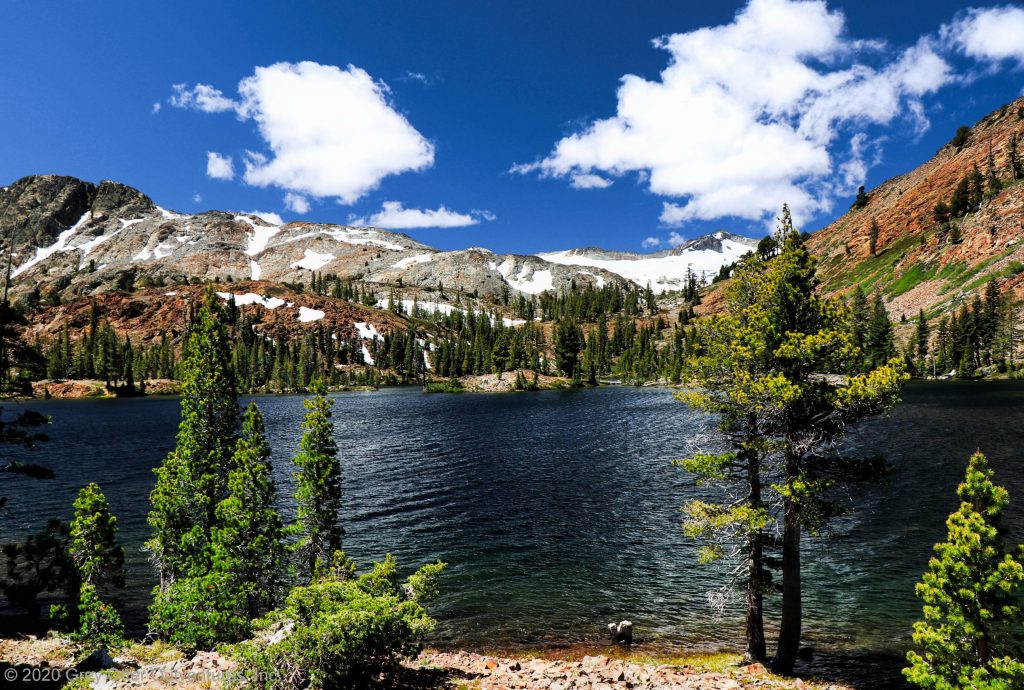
(931,239)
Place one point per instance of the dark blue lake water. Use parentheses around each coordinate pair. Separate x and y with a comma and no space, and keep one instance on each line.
(558,511)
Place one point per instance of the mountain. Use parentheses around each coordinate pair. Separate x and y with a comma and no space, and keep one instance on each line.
(78,238)
(929,261)
(665,270)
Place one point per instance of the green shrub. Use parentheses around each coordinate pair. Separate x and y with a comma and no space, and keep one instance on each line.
(452,385)
(342,631)
(99,625)
(199,612)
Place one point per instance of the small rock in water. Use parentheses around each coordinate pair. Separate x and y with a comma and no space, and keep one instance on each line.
(621,632)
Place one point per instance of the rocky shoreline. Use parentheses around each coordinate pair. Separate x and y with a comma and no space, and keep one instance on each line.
(51,662)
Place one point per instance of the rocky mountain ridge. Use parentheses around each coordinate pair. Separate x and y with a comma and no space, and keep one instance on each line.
(77,238)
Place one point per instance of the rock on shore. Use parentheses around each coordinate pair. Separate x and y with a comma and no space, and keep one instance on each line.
(482,672)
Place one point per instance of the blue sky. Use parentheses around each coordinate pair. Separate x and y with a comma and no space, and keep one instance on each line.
(486,117)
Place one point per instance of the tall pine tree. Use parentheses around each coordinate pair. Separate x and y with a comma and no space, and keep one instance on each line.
(318,488)
(248,537)
(193,478)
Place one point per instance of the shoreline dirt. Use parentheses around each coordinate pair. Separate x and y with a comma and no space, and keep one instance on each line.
(50,662)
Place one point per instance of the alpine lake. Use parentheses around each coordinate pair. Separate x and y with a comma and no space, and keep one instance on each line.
(558,512)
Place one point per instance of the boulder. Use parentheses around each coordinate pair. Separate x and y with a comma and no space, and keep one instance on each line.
(622,632)
(98,660)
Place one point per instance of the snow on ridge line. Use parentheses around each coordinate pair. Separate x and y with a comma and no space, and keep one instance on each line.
(538,282)
(307,315)
(59,246)
(169,215)
(664,272)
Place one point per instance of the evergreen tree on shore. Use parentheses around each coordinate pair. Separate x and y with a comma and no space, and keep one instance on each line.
(318,492)
(781,353)
(972,610)
(99,560)
(248,538)
(193,478)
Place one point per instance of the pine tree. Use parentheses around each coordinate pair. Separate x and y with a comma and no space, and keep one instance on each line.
(99,560)
(248,538)
(318,488)
(977,188)
(880,343)
(971,608)
(569,342)
(873,237)
(960,203)
(921,335)
(862,198)
(992,184)
(193,478)
(766,358)
(94,548)
(1013,161)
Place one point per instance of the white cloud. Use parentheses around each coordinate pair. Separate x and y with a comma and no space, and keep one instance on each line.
(296,202)
(748,115)
(219,167)
(675,239)
(329,132)
(650,243)
(156,107)
(589,181)
(197,198)
(269,216)
(393,216)
(332,132)
(201,97)
(992,34)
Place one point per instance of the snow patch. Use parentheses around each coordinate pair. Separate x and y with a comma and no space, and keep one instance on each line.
(418,259)
(161,251)
(536,283)
(254,270)
(253,298)
(313,260)
(367,331)
(367,357)
(306,314)
(408,304)
(260,235)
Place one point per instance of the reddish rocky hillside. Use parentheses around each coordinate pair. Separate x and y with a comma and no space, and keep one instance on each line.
(150,313)
(919,262)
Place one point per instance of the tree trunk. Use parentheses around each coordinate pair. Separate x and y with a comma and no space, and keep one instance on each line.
(756,650)
(789,629)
